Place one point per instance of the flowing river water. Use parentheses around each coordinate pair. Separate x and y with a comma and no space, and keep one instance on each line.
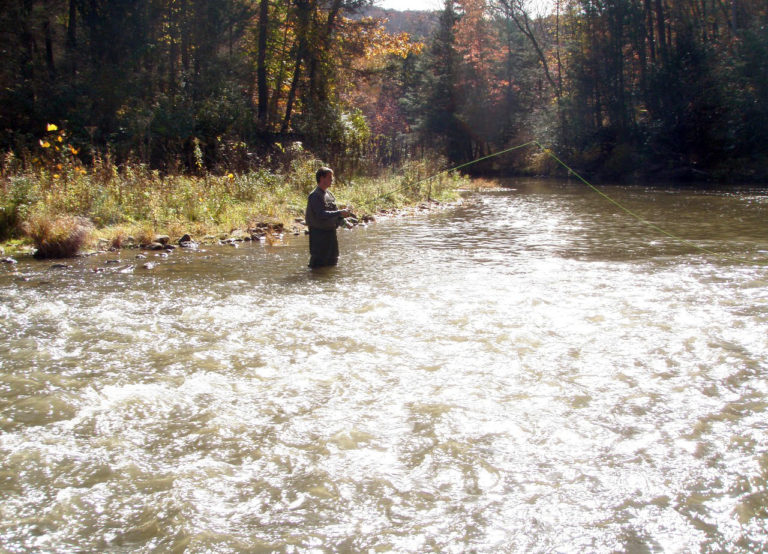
(532,371)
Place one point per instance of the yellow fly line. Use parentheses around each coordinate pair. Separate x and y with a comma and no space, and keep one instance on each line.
(616,203)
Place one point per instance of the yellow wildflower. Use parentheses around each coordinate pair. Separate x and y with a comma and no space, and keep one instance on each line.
(74,150)
(230,176)
(45,143)
(52,127)
(55,175)
(60,139)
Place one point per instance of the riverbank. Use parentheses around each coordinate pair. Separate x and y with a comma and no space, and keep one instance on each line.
(60,212)
(150,252)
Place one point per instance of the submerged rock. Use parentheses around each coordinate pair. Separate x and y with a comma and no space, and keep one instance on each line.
(8,260)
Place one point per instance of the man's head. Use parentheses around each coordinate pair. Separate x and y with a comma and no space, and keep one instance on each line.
(324,177)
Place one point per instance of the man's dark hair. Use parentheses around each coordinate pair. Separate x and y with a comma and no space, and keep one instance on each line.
(322,172)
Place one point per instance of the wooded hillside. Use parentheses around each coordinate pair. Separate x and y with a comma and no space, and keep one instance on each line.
(675,88)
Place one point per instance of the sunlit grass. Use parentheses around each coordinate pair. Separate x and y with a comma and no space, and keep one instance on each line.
(130,204)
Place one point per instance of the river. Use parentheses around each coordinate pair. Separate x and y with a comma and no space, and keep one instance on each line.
(534,370)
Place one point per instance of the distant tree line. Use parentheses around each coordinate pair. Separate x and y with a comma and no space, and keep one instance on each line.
(621,87)
(675,88)
(186,84)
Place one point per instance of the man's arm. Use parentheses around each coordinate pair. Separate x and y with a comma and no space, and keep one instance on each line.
(317,205)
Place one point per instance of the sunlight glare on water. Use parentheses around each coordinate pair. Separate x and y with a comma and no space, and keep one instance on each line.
(532,371)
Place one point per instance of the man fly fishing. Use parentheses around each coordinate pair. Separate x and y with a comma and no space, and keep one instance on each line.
(323,217)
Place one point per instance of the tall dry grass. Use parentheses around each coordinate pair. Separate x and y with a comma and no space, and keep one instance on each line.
(57,236)
(59,204)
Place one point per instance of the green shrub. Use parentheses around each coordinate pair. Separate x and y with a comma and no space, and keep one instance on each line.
(18,195)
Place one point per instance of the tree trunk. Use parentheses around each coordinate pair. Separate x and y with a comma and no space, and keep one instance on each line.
(49,50)
(184,31)
(72,26)
(261,71)
(520,18)
(172,52)
(303,11)
(660,26)
(649,30)
(291,96)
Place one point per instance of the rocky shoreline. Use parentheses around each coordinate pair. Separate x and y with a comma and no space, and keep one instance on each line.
(269,233)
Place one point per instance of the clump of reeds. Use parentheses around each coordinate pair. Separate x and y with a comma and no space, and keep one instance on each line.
(59,237)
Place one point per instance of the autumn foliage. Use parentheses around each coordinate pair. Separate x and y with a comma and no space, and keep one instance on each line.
(627,87)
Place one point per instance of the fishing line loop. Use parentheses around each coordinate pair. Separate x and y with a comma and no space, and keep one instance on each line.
(571,171)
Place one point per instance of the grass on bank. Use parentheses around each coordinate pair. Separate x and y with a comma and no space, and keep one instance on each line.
(59,207)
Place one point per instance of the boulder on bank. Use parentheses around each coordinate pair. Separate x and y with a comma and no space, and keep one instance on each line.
(187,242)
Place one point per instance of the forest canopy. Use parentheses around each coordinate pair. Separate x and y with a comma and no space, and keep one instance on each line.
(621,87)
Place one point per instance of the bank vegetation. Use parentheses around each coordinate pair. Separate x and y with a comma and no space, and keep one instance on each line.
(210,111)
(59,207)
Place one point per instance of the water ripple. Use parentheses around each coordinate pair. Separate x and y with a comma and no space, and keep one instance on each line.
(531,371)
